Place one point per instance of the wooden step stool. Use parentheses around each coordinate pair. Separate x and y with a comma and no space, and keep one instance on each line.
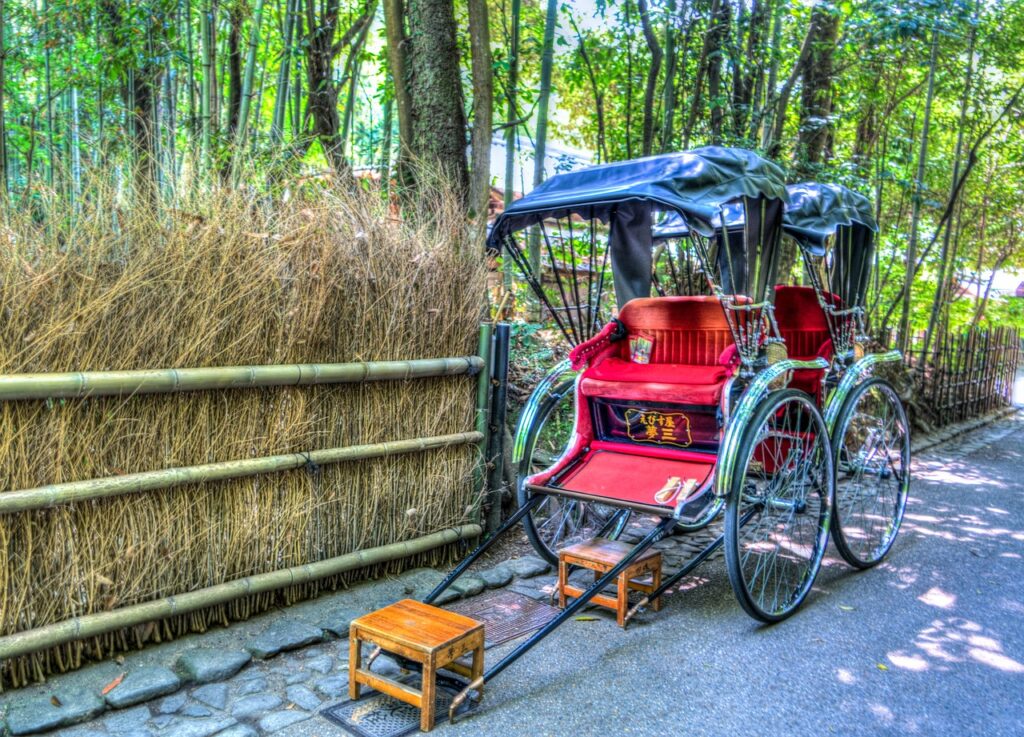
(600,556)
(433,637)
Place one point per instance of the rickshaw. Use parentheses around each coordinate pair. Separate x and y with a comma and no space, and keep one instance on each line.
(742,395)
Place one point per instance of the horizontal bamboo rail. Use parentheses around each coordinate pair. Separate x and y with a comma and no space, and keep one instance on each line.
(53,495)
(90,625)
(80,384)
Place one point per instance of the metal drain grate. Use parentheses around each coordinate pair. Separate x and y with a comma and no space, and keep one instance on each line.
(506,614)
(378,715)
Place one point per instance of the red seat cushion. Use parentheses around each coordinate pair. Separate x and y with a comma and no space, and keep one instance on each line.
(615,378)
(685,330)
(801,321)
(803,326)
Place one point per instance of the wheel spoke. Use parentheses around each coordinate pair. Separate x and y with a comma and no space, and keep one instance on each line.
(871,493)
(785,467)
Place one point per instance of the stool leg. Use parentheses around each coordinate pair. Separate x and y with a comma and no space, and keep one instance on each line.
(478,666)
(427,697)
(354,663)
(623,599)
(656,582)
(563,579)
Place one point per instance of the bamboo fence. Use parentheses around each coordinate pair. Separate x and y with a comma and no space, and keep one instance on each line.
(968,375)
(303,435)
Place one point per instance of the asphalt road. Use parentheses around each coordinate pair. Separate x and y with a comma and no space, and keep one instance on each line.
(929,643)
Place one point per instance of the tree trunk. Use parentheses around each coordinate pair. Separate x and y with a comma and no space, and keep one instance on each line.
(703,64)
(207,95)
(668,104)
(751,80)
(141,95)
(76,148)
(353,70)
(483,111)
(596,91)
(245,103)
(3,126)
(915,217)
(764,117)
(435,90)
(145,83)
(541,140)
(322,99)
(190,54)
(816,92)
(773,141)
(236,16)
(512,111)
(717,37)
(48,95)
(298,124)
(394,14)
(281,95)
(940,296)
(652,77)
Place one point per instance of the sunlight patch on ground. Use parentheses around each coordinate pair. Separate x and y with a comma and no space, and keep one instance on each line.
(956,640)
(914,663)
(996,660)
(938,598)
(884,713)
(966,478)
(845,676)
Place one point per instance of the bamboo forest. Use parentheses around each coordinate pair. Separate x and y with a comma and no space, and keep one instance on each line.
(917,104)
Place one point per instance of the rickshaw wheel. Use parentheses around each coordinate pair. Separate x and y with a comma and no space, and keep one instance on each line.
(779,505)
(872,461)
(557,522)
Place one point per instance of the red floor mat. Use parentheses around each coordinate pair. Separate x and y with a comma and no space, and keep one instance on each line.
(632,478)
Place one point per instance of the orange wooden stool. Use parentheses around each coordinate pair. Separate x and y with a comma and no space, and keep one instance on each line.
(433,637)
(600,556)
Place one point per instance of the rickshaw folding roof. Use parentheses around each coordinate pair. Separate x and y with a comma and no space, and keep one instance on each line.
(815,211)
(695,183)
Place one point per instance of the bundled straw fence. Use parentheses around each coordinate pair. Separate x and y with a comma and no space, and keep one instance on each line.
(967,375)
(273,474)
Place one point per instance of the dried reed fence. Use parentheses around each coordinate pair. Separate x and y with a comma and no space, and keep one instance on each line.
(967,375)
(323,277)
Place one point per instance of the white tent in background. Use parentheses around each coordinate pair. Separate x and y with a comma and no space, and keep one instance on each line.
(558,158)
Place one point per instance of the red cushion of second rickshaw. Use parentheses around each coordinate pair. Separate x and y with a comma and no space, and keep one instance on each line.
(801,321)
(615,378)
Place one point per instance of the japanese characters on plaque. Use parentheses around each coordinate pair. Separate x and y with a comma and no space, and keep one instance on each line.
(660,428)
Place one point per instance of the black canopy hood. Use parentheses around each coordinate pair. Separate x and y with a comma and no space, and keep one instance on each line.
(696,185)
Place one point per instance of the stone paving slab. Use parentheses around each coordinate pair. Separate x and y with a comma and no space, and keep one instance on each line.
(252,679)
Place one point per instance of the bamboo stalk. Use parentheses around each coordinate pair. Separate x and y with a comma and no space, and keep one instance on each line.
(483,393)
(44,497)
(92,625)
(168,381)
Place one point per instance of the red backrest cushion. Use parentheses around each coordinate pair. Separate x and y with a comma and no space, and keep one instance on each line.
(688,330)
(801,320)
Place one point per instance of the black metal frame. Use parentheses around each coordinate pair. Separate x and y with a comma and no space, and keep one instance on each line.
(587,320)
(660,531)
(663,528)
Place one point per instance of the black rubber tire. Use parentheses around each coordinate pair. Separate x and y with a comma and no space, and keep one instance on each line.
(803,492)
(586,518)
(864,534)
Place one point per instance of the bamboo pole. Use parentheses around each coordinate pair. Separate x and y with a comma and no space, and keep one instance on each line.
(483,393)
(168,381)
(92,625)
(44,497)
